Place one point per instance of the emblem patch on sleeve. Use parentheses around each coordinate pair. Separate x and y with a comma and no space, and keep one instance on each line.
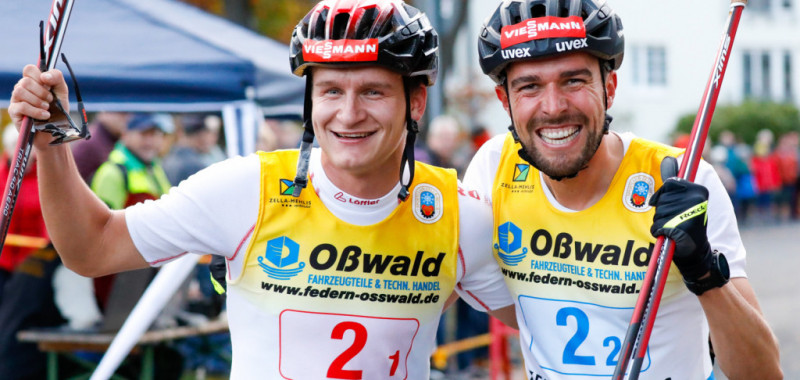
(638,190)
(428,204)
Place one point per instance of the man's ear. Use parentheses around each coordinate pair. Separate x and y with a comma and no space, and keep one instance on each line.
(611,87)
(418,99)
(502,95)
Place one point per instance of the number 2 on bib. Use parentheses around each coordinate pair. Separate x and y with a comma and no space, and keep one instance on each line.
(583,339)
(336,370)
(347,347)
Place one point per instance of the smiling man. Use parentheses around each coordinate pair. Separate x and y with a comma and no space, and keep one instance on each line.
(344,279)
(574,206)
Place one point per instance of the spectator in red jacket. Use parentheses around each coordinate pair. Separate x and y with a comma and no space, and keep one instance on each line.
(786,158)
(26,232)
(765,170)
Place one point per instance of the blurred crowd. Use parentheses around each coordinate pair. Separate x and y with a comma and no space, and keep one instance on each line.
(762,179)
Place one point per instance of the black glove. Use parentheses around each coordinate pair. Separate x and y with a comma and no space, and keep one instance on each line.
(681,208)
(218,270)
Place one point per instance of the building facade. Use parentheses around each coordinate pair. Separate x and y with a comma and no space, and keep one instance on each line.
(669,54)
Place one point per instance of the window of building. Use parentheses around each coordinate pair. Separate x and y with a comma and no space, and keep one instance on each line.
(766,77)
(656,66)
(760,5)
(649,65)
(636,65)
(788,91)
(747,64)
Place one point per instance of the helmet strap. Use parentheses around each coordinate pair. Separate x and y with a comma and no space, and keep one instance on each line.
(522,153)
(604,69)
(411,137)
(301,178)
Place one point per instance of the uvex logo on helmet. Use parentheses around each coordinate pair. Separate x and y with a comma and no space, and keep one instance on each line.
(541,28)
(341,50)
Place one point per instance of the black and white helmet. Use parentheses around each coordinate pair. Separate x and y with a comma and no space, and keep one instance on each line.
(388,33)
(520,30)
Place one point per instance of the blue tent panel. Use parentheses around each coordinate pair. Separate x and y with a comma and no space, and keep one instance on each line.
(153,55)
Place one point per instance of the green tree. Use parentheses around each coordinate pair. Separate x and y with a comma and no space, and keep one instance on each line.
(277,19)
(746,119)
(272,18)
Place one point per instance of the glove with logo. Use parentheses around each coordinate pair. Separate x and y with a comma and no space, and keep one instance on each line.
(681,215)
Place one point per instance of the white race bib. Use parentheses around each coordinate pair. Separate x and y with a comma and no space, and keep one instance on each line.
(581,338)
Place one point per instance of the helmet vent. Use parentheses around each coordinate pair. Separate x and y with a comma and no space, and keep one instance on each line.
(403,47)
(603,30)
(339,30)
(538,10)
(514,13)
(365,23)
(385,29)
(319,25)
(411,11)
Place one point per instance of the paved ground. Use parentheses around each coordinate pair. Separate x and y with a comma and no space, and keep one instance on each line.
(773,261)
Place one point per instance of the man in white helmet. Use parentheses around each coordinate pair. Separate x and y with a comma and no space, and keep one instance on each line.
(336,269)
(576,212)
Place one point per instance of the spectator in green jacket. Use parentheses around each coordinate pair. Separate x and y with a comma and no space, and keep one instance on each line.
(133,171)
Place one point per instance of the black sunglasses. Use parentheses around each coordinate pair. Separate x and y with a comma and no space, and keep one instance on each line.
(60,124)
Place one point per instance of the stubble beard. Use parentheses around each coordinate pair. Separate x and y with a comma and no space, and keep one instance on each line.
(561,166)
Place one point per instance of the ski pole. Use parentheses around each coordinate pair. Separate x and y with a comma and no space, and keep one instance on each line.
(51,41)
(644,315)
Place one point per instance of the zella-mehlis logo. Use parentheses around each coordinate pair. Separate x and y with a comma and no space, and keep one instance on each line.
(287,187)
(521,172)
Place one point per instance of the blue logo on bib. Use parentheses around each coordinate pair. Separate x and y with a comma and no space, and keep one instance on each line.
(281,256)
(509,241)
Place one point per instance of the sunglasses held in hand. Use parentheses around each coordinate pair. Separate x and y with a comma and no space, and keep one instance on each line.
(60,124)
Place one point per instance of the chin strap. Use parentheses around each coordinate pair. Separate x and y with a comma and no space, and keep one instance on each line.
(607,123)
(521,152)
(412,128)
(301,178)
(605,67)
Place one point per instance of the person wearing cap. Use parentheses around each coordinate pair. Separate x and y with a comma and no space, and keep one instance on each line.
(133,172)
(106,130)
(340,259)
(190,154)
(577,209)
